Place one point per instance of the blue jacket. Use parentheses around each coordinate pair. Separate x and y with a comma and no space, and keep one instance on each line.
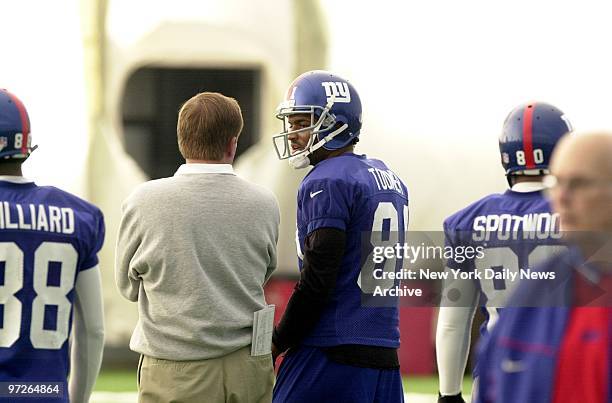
(518,358)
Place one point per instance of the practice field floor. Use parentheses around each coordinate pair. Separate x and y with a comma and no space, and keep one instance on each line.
(120,387)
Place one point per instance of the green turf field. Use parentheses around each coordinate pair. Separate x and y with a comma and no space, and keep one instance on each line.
(125,381)
(116,381)
(429,384)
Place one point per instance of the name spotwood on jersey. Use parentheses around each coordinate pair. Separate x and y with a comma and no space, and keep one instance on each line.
(36,217)
(506,226)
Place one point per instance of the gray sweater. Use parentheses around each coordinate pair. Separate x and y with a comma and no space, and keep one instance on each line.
(195,250)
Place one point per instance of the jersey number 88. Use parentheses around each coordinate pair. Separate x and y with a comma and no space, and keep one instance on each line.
(46,295)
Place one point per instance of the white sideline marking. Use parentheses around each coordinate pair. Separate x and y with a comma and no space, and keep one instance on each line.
(419,398)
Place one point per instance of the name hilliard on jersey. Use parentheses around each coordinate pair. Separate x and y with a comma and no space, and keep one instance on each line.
(36,217)
(504,227)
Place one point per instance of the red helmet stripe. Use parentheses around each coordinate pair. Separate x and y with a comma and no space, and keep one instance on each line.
(528,135)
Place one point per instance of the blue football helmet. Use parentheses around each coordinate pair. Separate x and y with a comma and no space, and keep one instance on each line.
(335,115)
(529,136)
(15,141)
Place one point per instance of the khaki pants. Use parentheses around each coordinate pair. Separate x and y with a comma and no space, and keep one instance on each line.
(233,378)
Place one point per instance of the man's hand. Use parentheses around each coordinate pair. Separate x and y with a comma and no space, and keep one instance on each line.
(451,399)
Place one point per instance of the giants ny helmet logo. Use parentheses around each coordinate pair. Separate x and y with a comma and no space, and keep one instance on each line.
(338,91)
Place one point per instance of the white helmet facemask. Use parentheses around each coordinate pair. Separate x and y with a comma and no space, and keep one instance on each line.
(301,158)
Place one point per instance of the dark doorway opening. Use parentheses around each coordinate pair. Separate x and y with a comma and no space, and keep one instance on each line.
(153,97)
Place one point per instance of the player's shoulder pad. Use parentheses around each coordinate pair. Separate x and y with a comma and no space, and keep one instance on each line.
(462,219)
(68,199)
(325,188)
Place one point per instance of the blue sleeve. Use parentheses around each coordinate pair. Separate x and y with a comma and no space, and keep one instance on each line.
(96,241)
(326,203)
(451,241)
(458,239)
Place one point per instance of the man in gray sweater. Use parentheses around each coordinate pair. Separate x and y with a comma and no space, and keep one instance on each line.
(194,250)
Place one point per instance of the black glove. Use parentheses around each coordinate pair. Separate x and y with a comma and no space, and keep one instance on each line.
(451,399)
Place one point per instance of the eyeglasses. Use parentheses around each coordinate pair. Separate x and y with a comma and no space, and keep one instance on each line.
(553,183)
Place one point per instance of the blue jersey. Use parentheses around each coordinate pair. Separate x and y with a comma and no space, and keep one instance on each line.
(517,231)
(47,237)
(362,197)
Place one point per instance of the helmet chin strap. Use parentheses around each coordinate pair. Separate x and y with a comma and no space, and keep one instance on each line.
(299,161)
(302,160)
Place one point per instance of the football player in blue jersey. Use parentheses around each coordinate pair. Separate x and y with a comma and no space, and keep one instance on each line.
(49,278)
(338,349)
(516,228)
